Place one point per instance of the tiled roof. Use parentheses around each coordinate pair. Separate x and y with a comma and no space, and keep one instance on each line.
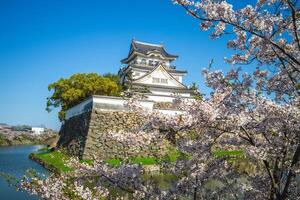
(170,70)
(146,48)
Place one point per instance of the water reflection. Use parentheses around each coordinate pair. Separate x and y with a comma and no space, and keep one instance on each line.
(14,161)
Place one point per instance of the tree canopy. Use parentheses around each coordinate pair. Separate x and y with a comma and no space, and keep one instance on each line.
(67,92)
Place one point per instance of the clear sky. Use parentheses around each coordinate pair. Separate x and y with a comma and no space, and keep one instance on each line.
(44,40)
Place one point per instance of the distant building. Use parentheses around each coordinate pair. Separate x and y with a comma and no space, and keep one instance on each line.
(4,126)
(150,69)
(38,130)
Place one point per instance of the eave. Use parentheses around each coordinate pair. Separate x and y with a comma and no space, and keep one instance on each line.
(180,89)
(134,54)
(173,71)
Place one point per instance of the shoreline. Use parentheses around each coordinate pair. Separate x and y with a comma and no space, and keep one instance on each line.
(54,161)
(49,167)
(7,140)
(24,144)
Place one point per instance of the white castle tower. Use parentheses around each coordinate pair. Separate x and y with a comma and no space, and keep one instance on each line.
(148,69)
(151,67)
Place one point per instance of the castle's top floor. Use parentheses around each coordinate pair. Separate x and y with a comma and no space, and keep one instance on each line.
(148,66)
(147,54)
(144,57)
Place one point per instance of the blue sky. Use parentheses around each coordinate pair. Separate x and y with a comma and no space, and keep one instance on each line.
(42,41)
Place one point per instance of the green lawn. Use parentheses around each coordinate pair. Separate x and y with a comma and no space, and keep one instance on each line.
(172,155)
(228,153)
(137,160)
(56,159)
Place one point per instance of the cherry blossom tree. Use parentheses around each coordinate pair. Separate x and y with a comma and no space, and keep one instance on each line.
(235,117)
(256,113)
(266,34)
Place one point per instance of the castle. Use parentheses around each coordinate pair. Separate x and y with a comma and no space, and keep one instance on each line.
(151,66)
(87,128)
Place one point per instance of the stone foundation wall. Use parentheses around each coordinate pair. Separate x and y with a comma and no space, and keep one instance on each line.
(108,134)
(73,134)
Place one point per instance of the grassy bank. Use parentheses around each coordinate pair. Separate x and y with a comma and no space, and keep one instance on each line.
(55,161)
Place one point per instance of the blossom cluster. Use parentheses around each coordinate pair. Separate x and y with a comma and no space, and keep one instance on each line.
(266,34)
(267,132)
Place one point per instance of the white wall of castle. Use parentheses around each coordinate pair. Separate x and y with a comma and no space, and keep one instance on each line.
(169,93)
(165,98)
(151,61)
(104,103)
(159,77)
(179,78)
(139,73)
(160,98)
(78,109)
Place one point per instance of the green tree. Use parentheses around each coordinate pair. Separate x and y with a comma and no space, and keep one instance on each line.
(194,87)
(129,90)
(113,77)
(68,92)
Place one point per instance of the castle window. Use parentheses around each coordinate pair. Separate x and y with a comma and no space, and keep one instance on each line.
(155,80)
(159,80)
(164,80)
(143,61)
(151,62)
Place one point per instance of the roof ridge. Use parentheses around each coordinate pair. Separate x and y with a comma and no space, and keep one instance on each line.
(149,44)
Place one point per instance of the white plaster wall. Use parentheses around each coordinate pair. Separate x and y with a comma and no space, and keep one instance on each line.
(139,60)
(165,98)
(161,92)
(118,101)
(78,109)
(135,76)
(159,74)
(113,101)
(157,98)
(183,94)
(171,112)
(168,93)
(179,78)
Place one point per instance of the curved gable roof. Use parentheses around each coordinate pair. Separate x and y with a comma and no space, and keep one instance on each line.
(160,66)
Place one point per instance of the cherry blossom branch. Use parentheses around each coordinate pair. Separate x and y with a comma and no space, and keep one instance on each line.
(295,160)
(193,13)
(294,12)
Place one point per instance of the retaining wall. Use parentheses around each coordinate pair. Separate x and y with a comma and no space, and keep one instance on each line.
(106,135)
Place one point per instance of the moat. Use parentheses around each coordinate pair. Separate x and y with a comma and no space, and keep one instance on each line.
(14,161)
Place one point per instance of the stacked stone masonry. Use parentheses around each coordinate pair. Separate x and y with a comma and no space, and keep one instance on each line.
(101,134)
